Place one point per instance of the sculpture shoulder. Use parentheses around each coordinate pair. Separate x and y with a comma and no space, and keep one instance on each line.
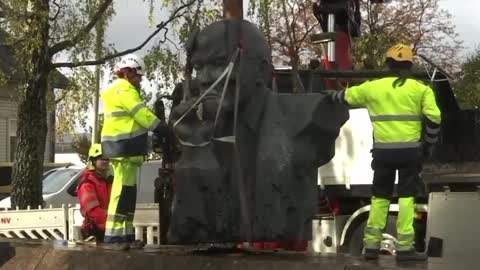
(179,110)
(312,110)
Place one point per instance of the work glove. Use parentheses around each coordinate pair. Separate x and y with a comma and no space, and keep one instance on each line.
(335,96)
(164,142)
(160,137)
(162,130)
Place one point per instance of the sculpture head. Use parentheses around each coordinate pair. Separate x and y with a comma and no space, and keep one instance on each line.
(211,50)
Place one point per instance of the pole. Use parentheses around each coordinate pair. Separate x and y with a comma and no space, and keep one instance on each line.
(331,44)
(100,31)
(233,9)
(95,106)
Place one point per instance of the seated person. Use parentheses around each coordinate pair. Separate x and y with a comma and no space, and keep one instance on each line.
(94,194)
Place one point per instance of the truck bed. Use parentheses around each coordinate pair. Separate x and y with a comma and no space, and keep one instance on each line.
(453,177)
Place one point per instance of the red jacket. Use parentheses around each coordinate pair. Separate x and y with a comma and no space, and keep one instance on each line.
(94,195)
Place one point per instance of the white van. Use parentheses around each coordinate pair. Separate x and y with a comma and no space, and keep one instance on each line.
(60,185)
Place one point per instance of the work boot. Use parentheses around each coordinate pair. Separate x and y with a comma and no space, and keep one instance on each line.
(137,244)
(371,254)
(410,255)
(117,246)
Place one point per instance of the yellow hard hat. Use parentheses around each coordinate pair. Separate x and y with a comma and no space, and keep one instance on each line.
(95,151)
(400,52)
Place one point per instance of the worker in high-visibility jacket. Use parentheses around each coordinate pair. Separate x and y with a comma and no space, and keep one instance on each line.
(127,122)
(406,123)
(94,194)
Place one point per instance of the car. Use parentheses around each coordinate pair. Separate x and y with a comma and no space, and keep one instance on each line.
(57,187)
(60,185)
(6,169)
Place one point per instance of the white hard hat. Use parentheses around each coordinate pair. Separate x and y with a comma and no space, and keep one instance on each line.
(132,61)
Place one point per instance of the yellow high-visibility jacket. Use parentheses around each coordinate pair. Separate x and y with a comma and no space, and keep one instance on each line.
(126,121)
(397,113)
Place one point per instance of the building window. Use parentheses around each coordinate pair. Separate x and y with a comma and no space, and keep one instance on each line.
(12,137)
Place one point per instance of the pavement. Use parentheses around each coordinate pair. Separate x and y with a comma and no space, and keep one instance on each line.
(38,255)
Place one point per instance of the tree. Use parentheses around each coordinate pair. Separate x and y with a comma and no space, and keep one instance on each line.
(287,24)
(467,88)
(421,23)
(81,145)
(165,64)
(40,31)
(72,104)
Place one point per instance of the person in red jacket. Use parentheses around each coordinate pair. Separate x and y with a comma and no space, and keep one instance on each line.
(94,194)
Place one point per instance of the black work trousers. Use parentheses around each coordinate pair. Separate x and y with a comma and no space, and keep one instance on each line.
(385,164)
(93,231)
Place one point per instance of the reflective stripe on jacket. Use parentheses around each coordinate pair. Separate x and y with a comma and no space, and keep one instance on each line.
(396,113)
(94,196)
(126,121)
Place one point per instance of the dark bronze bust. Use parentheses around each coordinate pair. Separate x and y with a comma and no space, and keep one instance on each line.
(251,173)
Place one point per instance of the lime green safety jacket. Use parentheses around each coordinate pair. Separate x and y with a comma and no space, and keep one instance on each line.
(397,112)
(127,121)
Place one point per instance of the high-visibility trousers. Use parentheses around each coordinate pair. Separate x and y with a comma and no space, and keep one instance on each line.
(385,164)
(377,220)
(123,198)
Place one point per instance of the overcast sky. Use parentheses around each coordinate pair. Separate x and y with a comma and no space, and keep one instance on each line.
(130,26)
(467,20)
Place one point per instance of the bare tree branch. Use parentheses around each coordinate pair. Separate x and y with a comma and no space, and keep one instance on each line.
(62,97)
(162,26)
(307,33)
(54,18)
(164,36)
(173,44)
(430,62)
(84,31)
(282,42)
(287,23)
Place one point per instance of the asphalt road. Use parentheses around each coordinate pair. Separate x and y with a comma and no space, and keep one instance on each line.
(57,255)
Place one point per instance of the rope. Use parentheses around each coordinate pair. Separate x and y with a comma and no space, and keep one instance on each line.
(236,160)
(222,97)
(226,73)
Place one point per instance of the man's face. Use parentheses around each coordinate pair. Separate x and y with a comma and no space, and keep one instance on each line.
(134,78)
(209,60)
(213,49)
(102,164)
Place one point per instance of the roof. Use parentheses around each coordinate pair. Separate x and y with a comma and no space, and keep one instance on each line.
(8,62)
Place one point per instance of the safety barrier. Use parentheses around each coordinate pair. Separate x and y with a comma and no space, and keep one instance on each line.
(65,223)
(49,223)
(75,220)
(146,223)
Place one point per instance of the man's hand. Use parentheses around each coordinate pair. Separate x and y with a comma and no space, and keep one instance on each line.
(335,96)
(162,130)
(162,137)
(164,142)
